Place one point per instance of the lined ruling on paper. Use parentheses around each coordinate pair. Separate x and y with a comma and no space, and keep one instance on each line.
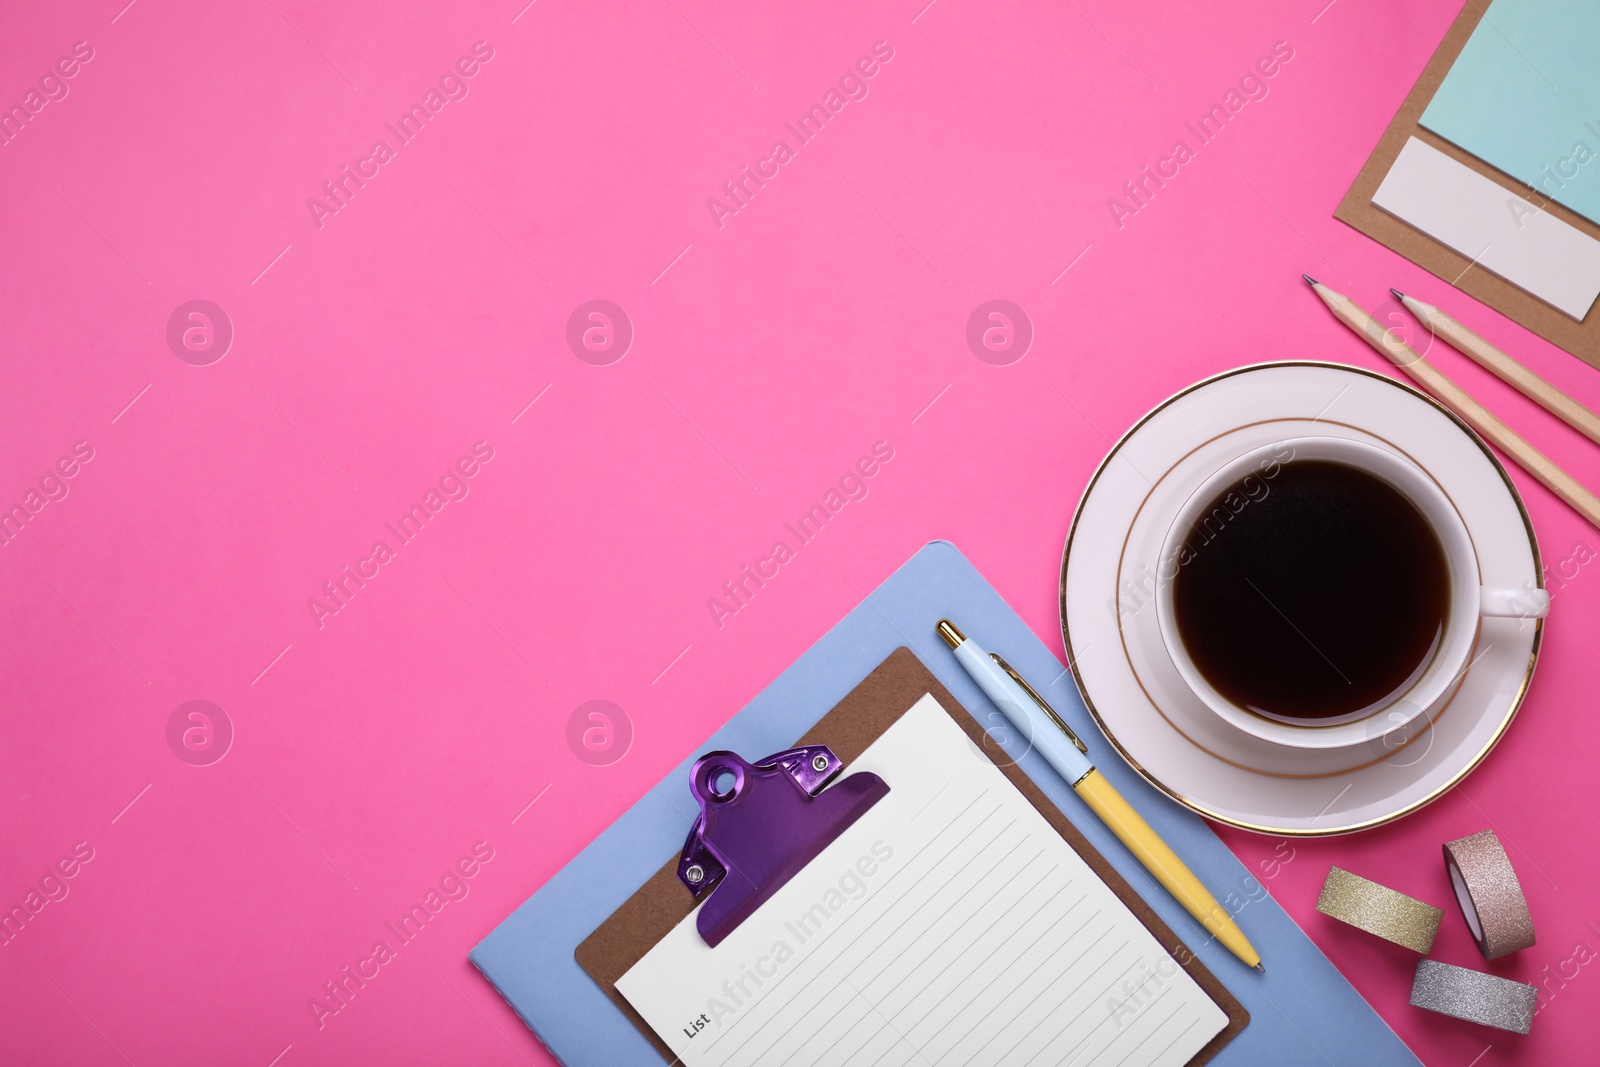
(950,926)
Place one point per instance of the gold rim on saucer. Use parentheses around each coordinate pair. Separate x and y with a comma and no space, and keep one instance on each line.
(1500,730)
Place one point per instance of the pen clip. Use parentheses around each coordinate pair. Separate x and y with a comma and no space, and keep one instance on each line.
(1039,700)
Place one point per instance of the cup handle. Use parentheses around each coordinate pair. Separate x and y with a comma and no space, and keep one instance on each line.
(1513,603)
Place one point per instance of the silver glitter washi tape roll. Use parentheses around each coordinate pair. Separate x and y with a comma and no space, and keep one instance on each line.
(1491,898)
(1379,910)
(1474,996)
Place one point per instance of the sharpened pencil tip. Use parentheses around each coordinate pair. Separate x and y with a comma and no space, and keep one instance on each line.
(1309,279)
(1261,968)
(1398,295)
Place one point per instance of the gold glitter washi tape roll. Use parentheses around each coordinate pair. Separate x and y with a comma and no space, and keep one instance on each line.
(1379,910)
(1474,996)
(1491,898)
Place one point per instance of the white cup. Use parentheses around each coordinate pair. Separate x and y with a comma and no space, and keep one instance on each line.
(1468,600)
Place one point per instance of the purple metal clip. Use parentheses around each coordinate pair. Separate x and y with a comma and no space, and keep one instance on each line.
(764,822)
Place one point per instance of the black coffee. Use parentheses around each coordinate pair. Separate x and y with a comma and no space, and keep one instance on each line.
(1311,594)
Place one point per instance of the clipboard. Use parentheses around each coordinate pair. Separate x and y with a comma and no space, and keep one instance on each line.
(1304,1013)
(855,722)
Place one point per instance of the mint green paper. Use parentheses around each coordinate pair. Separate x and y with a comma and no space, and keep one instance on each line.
(1524,96)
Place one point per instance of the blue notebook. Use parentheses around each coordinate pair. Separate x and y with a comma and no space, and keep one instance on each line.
(1302,1012)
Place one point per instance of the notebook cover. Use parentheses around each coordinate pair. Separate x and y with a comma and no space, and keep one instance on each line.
(1303,1012)
(1582,339)
(853,724)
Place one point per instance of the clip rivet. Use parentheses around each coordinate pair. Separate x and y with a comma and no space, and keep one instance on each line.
(695,874)
(820,763)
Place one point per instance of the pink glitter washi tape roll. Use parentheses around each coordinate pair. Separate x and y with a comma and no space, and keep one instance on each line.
(1491,898)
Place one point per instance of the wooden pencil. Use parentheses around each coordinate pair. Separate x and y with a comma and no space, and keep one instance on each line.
(1502,366)
(1457,399)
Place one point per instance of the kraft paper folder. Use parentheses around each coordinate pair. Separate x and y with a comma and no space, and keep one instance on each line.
(1302,1011)
(1581,338)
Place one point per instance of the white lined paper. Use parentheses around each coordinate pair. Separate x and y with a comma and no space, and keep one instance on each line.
(951,926)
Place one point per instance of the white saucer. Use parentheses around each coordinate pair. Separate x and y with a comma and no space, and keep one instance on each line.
(1136,695)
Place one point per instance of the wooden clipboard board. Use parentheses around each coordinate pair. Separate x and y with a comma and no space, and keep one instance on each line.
(1582,339)
(854,723)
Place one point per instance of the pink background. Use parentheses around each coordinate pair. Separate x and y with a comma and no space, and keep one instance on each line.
(828,314)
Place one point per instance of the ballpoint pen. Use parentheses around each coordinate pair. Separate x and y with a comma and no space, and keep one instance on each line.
(1027,711)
